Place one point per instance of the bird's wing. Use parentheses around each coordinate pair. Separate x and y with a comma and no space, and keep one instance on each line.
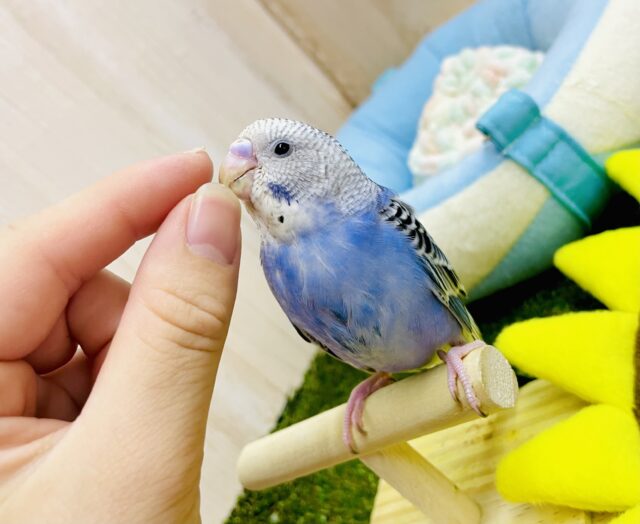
(305,336)
(312,340)
(446,284)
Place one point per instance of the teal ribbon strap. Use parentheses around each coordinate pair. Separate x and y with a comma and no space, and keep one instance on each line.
(520,132)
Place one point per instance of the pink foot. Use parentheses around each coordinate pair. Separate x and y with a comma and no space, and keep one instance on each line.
(355,406)
(456,371)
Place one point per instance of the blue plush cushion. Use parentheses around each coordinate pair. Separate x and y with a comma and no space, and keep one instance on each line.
(381,131)
(518,129)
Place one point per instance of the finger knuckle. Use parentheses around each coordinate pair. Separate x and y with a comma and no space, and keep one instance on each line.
(188,320)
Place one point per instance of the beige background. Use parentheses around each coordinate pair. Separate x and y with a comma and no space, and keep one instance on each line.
(88,86)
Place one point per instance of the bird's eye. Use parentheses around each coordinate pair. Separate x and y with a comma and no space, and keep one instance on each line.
(282,149)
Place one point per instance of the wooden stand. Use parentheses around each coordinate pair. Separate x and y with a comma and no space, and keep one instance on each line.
(423,485)
(469,453)
(402,411)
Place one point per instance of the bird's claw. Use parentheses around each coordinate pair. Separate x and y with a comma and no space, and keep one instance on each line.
(451,376)
(359,424)
(456,371)
(355,407)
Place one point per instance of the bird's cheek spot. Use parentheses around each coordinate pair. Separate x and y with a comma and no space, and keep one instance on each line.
(280,193)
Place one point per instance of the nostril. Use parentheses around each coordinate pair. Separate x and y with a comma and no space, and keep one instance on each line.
(242,148)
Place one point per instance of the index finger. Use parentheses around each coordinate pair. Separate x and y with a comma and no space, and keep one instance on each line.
(45,258)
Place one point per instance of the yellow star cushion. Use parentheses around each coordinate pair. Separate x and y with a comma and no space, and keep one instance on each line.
(624,168)
(589,461)
(607,266)
(589,354)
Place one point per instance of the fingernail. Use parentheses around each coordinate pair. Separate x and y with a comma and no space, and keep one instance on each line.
(200,149)
(213,227)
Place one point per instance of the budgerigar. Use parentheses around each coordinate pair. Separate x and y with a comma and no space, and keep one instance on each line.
(349,263)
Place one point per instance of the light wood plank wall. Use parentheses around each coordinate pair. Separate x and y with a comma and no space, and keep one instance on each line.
(88,86)
(354,41)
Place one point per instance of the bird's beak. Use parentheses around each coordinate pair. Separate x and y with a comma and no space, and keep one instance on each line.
(236,171)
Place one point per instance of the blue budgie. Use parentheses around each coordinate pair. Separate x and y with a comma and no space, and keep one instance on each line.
(349,263)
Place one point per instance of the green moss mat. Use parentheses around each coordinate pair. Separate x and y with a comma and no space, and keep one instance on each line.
(345,493)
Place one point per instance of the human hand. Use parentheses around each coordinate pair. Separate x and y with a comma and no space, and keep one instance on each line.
(84,438)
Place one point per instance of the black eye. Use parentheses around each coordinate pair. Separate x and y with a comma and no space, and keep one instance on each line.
(282,148)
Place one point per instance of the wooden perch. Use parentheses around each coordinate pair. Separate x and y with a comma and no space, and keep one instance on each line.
(399,412)
(422,484)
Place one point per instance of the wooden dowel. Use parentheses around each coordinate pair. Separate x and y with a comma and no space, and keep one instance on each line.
(412,407)
(422,484)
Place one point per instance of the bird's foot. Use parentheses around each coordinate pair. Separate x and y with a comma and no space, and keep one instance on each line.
(456,371)
(355,406)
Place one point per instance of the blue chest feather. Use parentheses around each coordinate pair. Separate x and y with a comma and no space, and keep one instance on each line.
(358,288)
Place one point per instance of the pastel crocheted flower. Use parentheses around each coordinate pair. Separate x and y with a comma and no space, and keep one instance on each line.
(467,85)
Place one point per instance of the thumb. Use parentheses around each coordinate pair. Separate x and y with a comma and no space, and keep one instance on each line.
(154,389)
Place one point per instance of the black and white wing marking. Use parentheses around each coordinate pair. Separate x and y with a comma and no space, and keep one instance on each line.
(446,284)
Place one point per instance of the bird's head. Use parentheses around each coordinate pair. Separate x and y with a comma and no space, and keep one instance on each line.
(293,177)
